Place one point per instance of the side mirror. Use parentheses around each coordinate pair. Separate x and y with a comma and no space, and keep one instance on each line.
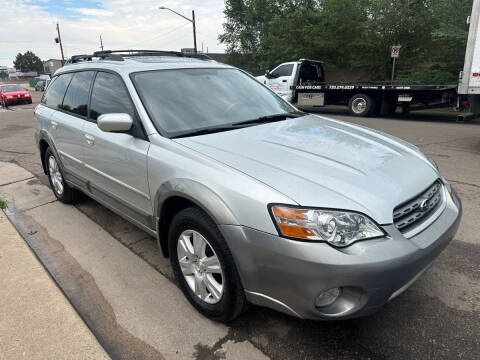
(267,74)
(114,122)
(26,89)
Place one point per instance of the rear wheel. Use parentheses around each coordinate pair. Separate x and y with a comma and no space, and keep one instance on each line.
(60,188)
(204,266)
(361,105)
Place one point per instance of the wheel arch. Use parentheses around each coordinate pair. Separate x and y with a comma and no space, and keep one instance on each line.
(45,142)
(176,195)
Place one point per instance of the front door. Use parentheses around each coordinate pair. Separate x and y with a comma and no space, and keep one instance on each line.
(116,163)
(280,80)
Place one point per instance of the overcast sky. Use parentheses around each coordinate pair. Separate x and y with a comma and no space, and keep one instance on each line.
(123,24)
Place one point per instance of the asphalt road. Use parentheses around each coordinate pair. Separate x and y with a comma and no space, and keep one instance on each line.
(437,318)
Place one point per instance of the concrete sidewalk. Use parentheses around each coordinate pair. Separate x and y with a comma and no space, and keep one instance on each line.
(36,320)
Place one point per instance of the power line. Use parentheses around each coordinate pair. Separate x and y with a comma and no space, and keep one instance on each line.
(160,35)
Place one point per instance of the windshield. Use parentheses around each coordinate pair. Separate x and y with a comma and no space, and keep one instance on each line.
(184,100)
(10,88)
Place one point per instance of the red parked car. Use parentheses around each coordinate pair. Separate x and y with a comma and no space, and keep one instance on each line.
(14,94)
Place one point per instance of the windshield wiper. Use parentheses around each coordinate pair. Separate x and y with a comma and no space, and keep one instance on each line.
(205,131)
(239,125)
(272,118)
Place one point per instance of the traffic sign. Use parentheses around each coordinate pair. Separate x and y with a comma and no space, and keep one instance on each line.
(396,51)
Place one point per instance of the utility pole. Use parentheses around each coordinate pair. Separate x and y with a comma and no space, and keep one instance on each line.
(59,41)
(101,42)
(194,32)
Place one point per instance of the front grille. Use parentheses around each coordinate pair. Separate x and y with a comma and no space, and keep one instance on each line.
(417,210)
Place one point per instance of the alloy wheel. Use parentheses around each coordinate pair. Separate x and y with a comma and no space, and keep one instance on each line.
(55,175)
(200,266)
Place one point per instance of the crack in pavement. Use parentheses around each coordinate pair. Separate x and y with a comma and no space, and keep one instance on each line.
(464,183)
(17,181)
(16,152)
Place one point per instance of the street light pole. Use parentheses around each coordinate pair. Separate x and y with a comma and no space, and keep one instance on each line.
(194,33)
(192,20)
(60,43)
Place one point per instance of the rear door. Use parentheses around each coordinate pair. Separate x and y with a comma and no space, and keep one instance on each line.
(70,119)
(116,163)
(64,129)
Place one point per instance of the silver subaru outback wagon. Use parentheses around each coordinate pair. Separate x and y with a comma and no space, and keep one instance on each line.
(252,200)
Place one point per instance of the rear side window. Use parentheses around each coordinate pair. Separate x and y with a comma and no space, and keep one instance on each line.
(56,91)
(109,95)
(76,97)
(284,70)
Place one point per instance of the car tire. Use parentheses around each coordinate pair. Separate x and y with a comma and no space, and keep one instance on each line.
(29,101)
(60,188)
(190,227)
(361,105)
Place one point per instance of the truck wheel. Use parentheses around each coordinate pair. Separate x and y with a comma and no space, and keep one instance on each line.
(361,105)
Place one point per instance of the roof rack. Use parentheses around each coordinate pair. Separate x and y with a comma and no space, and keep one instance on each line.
(119,55)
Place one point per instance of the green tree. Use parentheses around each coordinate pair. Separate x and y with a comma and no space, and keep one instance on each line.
(349,34)
(28,62)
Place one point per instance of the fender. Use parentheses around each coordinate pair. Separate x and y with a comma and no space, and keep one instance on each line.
(44,135)
(199,194)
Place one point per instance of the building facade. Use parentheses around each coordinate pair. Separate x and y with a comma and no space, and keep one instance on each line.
(51,65)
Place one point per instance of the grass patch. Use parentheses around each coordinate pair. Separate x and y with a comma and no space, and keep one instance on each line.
(3,204)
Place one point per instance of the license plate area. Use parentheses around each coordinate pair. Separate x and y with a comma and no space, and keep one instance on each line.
(311,99)
(405,98)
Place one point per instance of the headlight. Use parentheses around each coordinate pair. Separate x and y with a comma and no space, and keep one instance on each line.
(9,97)
(338,228)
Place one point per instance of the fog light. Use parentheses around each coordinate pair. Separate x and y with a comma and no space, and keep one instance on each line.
(328,297)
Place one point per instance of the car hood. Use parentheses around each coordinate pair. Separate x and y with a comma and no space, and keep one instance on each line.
(325,163)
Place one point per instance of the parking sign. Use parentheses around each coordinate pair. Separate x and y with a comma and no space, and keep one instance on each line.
(396,51)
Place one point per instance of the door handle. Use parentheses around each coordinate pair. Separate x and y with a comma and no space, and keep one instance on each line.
(284,80)
(54,124)
(90,139)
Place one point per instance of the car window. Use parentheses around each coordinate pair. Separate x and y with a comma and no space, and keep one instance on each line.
(109,95)
(12,88)
(76,97)
(56,91)
(187,99)
(284,70)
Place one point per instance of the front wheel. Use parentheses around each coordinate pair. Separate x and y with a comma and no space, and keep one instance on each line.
(361,105)
(204,267)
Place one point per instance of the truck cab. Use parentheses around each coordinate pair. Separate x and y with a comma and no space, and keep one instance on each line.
(286,75)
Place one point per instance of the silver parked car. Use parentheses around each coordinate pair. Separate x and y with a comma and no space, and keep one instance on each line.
(252,200)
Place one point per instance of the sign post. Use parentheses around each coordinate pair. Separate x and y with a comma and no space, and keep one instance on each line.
(395,55)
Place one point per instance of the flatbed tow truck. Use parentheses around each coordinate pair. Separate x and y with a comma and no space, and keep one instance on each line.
(303,83)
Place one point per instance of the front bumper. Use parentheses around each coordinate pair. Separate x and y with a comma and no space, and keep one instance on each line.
(17,100)
(288,275)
